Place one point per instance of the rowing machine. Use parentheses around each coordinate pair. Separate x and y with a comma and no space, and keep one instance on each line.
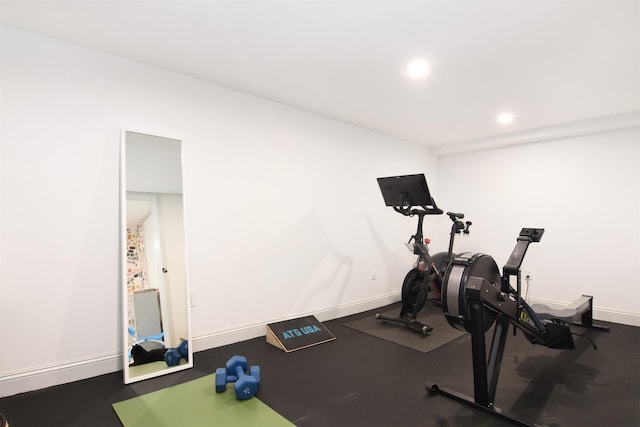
(475,296)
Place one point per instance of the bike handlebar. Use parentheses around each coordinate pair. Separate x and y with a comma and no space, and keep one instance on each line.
(426,210)
(455,216)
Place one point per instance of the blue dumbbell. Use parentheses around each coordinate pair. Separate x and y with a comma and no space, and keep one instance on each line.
(173,356)
(246,385)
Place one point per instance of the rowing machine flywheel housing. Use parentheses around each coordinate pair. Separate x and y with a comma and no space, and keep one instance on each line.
(458,272)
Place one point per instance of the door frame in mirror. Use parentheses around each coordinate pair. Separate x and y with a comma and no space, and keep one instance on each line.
(163,370)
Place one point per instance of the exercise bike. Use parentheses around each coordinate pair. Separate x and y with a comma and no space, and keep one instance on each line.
(404,193)
(475,297)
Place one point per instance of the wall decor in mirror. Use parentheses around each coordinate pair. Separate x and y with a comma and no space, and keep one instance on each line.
(156,319)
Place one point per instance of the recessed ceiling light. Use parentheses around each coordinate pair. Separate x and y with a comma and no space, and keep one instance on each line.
(505,118)
(418,68)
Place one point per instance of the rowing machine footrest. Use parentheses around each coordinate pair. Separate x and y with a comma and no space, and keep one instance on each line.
(559,337)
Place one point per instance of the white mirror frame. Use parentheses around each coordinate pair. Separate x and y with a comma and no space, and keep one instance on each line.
(160,368)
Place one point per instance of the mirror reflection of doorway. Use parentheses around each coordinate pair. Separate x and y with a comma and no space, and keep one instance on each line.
(154,241)
(146,289)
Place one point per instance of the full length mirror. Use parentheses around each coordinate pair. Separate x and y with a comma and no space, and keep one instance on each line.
(155,291)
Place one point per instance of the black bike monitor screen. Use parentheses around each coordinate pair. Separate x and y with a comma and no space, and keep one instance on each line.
(405,190)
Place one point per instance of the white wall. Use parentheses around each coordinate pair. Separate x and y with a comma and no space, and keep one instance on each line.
(583,191)
(283,212)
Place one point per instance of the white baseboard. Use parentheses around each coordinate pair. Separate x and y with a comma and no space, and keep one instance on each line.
(16,382)
(218,339)
(599,313)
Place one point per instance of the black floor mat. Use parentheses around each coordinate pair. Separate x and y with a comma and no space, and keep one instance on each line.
(358,380)
(430,315)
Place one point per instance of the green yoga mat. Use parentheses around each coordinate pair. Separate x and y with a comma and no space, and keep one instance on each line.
(194,404)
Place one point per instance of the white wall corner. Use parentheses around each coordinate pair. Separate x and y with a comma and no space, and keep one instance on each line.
(549,133)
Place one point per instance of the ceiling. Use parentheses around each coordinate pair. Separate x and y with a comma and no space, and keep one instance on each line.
(547,62)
